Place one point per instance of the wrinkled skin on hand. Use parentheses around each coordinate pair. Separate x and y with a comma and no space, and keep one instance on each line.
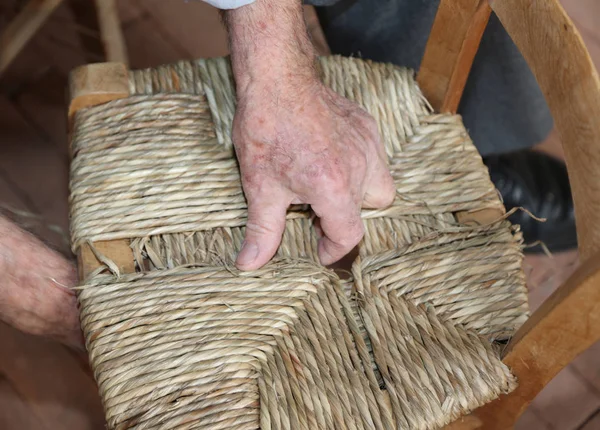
(301,143)
(35,287)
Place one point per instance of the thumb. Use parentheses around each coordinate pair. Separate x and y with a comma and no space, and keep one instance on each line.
(264,229)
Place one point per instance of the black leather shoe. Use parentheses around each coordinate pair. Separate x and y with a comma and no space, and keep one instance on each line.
(540,184)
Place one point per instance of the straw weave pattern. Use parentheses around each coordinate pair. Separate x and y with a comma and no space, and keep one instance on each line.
(188,342)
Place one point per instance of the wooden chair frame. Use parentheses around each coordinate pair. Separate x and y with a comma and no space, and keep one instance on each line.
(569,321)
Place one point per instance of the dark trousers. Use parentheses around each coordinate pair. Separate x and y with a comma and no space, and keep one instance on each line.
(502,106)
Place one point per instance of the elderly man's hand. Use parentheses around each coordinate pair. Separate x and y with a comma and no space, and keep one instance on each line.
(303,143)
(297,141)
(35,287)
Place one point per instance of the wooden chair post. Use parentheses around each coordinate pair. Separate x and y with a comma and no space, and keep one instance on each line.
(455,36)
(569,321)
(450,51)
(93,85)
(110,31)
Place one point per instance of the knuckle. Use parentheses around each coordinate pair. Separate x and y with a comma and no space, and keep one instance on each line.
(260,228)
(324,173)
(260,225)
(337,186)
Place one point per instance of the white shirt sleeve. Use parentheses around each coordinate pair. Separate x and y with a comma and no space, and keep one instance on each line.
(228,4)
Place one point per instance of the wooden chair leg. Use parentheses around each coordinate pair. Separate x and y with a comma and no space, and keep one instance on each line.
(110,31)
(23,28)
(102,19)
(93,85)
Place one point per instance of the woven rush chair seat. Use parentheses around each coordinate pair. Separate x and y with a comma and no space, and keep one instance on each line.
(411,340)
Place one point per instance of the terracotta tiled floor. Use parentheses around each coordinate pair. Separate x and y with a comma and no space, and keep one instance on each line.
(44,386)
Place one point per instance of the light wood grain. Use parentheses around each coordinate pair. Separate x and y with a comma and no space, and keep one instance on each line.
(110,31)
(118,251)
(480,217)
(564,326)
(92,85)
(23,28)
(565,72)
(450,51)
(95,84)
(569,321)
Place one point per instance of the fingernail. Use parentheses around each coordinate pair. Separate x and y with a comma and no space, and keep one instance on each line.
(247,254)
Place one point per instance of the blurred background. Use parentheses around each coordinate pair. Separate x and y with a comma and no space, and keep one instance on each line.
(43,385)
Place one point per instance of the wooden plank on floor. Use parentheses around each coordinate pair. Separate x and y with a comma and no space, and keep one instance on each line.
(58,43)
(51,380)
(129,11)
(147,47)
(26,67)
(84,18)
(15,413)
(567,401)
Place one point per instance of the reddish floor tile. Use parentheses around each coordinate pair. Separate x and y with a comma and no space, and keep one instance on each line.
(51,381)
(593,423)
(16,413)
(585,12)
(531,421)
(588,365)
(567,401)
(545,274)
